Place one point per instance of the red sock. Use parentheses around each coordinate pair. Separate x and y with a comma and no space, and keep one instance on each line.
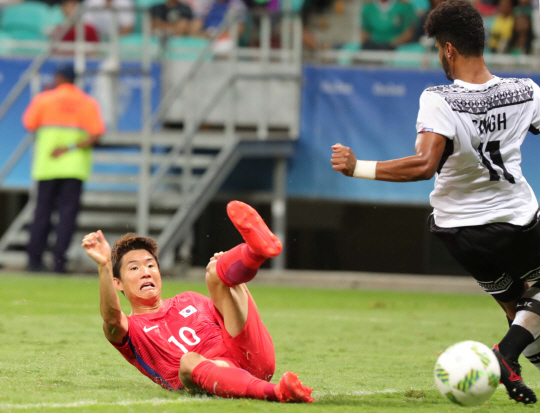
(231,382)
(238,266)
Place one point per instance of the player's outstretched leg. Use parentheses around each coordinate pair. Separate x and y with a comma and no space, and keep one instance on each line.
(240,264)
(232,382)
(511,378)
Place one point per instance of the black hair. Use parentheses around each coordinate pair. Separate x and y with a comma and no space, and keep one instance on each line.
(131,242)
(459,23)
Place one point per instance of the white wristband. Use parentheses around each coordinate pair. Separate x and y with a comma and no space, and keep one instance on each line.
(365,169)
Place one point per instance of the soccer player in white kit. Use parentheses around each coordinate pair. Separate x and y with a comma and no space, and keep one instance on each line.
(469,137)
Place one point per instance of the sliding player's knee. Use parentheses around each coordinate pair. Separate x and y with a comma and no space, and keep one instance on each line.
(211,274)
(213,282)
(188,362)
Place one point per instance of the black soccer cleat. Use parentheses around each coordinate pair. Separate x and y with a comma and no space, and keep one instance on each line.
(511,378)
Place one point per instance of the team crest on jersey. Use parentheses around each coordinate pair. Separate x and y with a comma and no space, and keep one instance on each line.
(186,312)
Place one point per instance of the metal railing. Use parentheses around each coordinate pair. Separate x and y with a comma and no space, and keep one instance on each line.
(149,181)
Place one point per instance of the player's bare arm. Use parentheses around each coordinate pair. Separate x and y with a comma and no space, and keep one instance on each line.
(421,166)
(115,324)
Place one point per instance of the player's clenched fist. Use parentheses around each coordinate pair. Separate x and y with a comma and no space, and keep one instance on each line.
(343,159)
(97,247)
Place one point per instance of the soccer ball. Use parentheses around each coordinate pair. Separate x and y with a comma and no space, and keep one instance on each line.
(467,373)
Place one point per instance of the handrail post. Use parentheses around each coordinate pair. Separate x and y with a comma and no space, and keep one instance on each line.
(297,65)
(80,55)
(265,34)
(230,123)
(279,210)
(143,196)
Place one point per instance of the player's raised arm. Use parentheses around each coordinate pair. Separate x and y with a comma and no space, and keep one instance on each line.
(115,324)
(429,149)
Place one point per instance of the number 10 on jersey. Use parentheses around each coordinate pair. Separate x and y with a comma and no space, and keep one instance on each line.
(190,342)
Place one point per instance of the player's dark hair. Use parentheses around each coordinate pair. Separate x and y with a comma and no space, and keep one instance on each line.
(131,242)
(460,23)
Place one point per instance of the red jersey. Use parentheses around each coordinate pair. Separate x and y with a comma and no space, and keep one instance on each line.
(90,33)
(157,341)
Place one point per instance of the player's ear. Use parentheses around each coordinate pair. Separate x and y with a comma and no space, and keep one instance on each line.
(449,50)
(118,284)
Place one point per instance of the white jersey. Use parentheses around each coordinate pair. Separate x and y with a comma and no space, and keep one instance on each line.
(479,178)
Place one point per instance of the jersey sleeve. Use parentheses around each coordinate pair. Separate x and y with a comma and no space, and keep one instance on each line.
(435,116)
(32,115)
(535,122)
(125,350)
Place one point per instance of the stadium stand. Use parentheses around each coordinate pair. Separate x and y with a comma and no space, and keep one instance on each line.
(126,67)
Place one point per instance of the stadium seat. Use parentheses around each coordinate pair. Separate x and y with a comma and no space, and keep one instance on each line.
(421,6)
(295,5)
(131,46)
(405,61)
(145,4)
(185,47)
(411,48)
(28,17)
(54,18)
(345,57)
(4,49)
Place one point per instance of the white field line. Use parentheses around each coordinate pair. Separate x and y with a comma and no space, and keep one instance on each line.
(85,403)
(316,394)
(354,393)
(372,392)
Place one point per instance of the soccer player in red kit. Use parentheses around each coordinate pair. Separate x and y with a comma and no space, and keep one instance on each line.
(217,344)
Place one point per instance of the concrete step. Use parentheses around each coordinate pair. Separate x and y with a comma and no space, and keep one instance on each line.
(203,140)
(196,161)
(98,220)
(21,239)
(94,220)
(131,181)
(160,199)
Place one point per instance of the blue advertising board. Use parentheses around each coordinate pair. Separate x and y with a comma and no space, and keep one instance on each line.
(128,104)
(371,110)
(374,112)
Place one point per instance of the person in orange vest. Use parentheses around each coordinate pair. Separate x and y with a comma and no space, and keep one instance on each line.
(68,123)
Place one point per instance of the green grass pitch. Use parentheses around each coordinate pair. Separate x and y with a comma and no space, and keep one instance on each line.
(361,351)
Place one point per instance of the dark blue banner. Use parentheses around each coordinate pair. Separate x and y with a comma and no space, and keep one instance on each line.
(127,104)
(374,112)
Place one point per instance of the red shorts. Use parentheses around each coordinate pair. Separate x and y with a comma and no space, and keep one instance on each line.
(251,350)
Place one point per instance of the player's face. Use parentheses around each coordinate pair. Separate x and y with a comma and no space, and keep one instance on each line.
(444,62)
(140,277)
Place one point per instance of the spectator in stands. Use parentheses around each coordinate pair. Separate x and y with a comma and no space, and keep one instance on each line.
(387,24)
(101,15)
(173,18)
(200,9)
(503,25)
(522,35)
(48,2)
(69,8)
(67,123)
(523,7)
(310,8)
(420,32)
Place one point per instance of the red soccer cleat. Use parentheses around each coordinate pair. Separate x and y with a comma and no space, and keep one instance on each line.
(291,390)
(257,235)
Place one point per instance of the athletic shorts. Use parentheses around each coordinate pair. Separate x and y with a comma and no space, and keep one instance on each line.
(500,256)
(251,350)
